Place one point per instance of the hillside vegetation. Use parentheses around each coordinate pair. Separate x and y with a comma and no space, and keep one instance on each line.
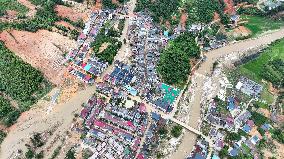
(12,5)
(21,82)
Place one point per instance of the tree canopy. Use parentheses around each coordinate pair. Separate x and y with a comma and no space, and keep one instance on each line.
(18,79)
(108,54)
(174,66)
(159,9)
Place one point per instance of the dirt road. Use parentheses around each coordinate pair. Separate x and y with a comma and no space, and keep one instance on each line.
(204,69)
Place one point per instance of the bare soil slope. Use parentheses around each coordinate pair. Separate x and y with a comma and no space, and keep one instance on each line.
(72,13)
(43,50)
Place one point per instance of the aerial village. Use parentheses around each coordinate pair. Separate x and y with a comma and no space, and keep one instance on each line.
(220,107)
(118,120)
(125,116)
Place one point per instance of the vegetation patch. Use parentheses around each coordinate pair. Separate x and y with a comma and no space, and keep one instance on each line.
(45,18)
(21,82)
(202,11)
(160,10)
(267,65)
(176,131)
(2,136)
(259,119)
(174,66)
(278,134)
(12,5)
(260,24)
(108,53)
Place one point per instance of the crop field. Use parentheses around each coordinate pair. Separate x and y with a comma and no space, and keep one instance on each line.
(12,5)
(258,25)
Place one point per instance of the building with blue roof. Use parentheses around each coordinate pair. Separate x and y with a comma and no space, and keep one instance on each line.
(115,72)
(199,156)
(131,90)
(265,127)
(87,67)
(162,104)
(166,33)
(246,128)
(155,116)
(215,157)
(234,152)
(128,137)
(254,139)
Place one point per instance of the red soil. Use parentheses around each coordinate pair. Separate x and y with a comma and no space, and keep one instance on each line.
(42,49)
(216,16)
(11,13)
(98,5)
(66,24)
(183,19)
(229,9)
(70,13)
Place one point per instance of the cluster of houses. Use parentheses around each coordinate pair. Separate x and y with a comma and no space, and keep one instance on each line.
(151,136)
(200,150)
(124,76)
(145,42)
(113,131)
(249,87)
(83,63)
(236,118)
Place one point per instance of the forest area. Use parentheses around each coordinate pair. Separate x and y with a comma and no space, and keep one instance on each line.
(174,66)
(45,18)
(201,11)
(21,82)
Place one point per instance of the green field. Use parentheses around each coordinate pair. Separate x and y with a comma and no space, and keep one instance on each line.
(254,68)
(258,24)
(12,5)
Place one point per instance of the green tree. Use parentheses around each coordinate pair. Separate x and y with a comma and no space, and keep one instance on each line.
(70,154)
(30,154)
(174,66)
(2,136)
(176,131)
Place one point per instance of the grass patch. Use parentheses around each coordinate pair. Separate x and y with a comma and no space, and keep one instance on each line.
(255,68)
(262,105)
(245,148)
(258,24)
(12,5)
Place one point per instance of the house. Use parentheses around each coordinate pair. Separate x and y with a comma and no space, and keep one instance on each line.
(266,127)
(215,157)
(249,87)
(246,128)
(254,139)
(155,116)
(233,152)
